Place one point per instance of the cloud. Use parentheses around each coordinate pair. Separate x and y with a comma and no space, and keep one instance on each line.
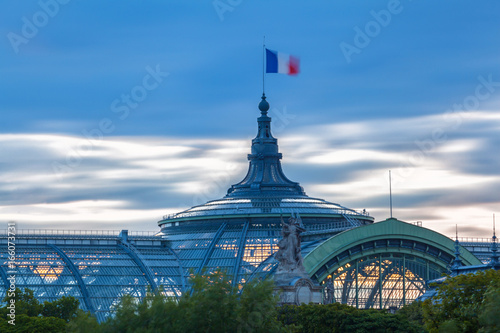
(441,168)
(115,179)
(132,181)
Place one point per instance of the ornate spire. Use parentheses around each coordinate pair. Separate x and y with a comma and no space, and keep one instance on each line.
(265,176)
(457,262)
(494,261)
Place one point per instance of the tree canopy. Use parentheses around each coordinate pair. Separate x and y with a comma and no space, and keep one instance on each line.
(465,303)
(31,316)
(213,305)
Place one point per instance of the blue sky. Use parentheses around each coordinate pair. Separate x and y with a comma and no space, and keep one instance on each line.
(411,86)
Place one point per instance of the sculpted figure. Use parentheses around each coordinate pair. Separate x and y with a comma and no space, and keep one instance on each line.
(289,251)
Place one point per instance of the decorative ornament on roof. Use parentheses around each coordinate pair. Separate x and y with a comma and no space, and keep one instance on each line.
(265,176)
(494,261)
(457,262)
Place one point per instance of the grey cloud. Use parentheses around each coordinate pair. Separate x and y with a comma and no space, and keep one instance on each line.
(337,173)
(148,223)
(156,181)
(469,231)
(433,198)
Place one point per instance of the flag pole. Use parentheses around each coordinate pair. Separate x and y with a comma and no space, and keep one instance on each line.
(263,64)
(390,192)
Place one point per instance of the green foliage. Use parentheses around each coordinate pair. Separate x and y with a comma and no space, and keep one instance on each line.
(258,310)
(414,313)
(64,308)
(460,302)
(83,322)
(27,324)
(25,303)
(341,318)
(214,305)
(466,303)
(31,316)
(125,318)
(489,318)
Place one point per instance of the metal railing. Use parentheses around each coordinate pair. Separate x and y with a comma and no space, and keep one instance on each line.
(330,227)
(472,239)
(255,210)
(353,222)
(67,232)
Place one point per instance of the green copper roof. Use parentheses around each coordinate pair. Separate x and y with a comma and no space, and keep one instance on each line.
(387,229)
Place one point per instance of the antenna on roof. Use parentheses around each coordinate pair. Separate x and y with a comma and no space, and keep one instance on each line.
(390,192)
(494,236)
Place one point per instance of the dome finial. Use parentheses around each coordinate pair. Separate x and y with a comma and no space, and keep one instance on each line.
(263,105)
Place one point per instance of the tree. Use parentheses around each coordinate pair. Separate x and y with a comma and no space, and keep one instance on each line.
(25,303)
(257,311)
(414,314)
(338,317)
(33,317)
(489,319)
(83,322)
(27,324)
(460,301)
(64,308)
(213,305)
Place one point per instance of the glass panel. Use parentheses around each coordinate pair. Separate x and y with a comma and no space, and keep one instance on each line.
(382,281)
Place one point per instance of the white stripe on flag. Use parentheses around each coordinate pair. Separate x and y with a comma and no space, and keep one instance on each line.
(283,63)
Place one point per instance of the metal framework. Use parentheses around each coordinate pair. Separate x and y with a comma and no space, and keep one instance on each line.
(3,275)
(392,256)
(181,269)
(141,263)
(76,274)
(369,265)
(354,223)
(383,265)
(381,281)
(96,269)
(211,247)
(241,248)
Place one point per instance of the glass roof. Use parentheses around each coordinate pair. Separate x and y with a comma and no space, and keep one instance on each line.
(263,205)
(265,189)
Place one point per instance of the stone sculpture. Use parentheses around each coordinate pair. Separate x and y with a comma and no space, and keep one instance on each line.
(289,252)
(292,282)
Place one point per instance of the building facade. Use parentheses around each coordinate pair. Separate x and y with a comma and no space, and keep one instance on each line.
(358,262)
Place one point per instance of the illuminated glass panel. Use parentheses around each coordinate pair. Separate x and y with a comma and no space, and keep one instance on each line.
(380,281)
(40,269)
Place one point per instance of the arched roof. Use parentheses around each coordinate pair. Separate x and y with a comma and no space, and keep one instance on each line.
(391,235)
(96,269)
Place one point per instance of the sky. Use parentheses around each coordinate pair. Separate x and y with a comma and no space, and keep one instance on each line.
(115,113)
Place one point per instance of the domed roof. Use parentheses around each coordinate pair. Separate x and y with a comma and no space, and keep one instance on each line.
(265,189)
(236,207)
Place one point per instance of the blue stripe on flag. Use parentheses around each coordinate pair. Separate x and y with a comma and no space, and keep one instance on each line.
(271,61)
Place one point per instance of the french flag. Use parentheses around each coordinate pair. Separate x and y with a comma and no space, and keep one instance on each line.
(277,62)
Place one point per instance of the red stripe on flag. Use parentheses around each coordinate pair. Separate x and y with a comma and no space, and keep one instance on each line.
(293,65)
